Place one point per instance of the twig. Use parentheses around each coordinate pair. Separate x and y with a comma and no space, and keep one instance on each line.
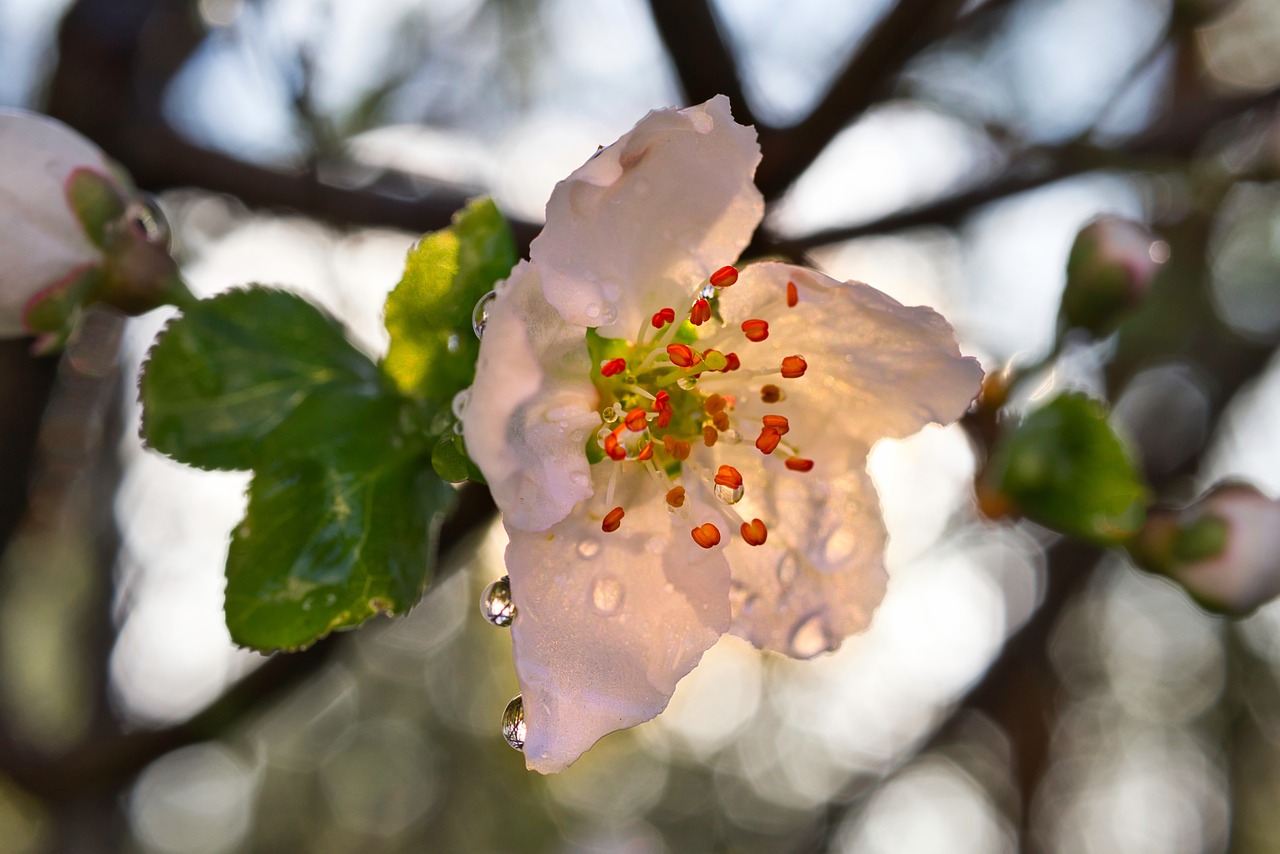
(696,45)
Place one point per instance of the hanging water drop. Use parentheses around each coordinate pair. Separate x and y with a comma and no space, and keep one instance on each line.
(687,383)
(513,727)
(611,414)
(708,291)
(145,212)
(459,403)
(454,344)
(496,605)
(729,494)
(607,595)
(730,436)
(480,314)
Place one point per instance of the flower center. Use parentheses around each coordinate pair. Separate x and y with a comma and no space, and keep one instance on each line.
(656,405)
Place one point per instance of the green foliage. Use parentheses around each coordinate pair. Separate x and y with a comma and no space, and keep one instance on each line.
(1065,468)
(96,204)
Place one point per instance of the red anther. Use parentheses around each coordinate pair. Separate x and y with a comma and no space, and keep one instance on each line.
(728,476)
(715,403)
(733,363)
(612,520)
(754,532)
(768,440)
(793,296)
(724,277)
(799,464)
(675,496)
(636,420)
(777,422)
(709,435)
(646,453)
(706,535)
(677,448)
(794,367)
(681,355)
(756,330)
(662,318)
(771,393)
(613,449)
(613,367)
(664,417)
(660,402)
(700,313)
(721,420)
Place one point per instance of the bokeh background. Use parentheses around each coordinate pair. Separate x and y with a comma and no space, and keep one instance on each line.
(1016,691)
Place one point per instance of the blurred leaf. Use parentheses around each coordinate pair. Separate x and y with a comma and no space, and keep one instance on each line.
(433,348)
(326,544)
(96,203)
(1065,468)
(254,374)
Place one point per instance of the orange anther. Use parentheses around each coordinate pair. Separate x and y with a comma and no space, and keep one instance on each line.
(754,532)
(715,403)
(706,535)
(700,313)
(728,476)
(724,277)
(721,420)
(799,464)
(677,448)
(709,435)
(636,420)
(793,367)
(793,296)
(664,417)
(680,354)
(613,367)
(662,318)
(771,394)
(675,496)
(755,329)
(733,363)
(768,440)
(661,400)
(612,520)
(613,449)
(646,453)
(777,422)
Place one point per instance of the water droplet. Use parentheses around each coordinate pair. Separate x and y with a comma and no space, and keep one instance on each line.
(840,546)
(454,344)
(730,495)
(708,291)
(588,547)
(459,403)
(480,314)
(609,313)
(610,414)
(513,727)
(809,637)
(687,383)
(496,605)
(730,436)
(741,599)
(580,479)
(145,212)
(593,310)
(607,594)
(654,545)
(306,604)
(788,569)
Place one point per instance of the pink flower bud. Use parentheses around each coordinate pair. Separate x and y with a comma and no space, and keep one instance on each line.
(1109,271)
(1224,548)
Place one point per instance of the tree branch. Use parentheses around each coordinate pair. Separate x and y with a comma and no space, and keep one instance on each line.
(698,49)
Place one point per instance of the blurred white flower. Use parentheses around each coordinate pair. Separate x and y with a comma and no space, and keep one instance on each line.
(679,448)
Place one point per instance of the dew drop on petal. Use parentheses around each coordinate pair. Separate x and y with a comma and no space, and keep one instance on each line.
(687,383)
(513,727)
(708,291)
(580,479)
(728,494)
(741,599)
(610,414)
(588,547)
(730,436)
(593,310)
(459,403)
(788,568)
(480,314)
(655,545)
(608,313)
(809,637)
(607,594)
(839,547)
(496,605)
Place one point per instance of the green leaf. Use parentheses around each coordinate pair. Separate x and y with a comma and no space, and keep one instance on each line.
(251,375)
(326,545)
(433,349)
(1065,468)
(96,203)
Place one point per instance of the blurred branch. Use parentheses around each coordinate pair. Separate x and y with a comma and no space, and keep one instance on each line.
(698,49)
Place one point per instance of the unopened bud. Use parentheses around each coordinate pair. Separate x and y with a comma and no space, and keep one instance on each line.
(1109,271)
(1224,548)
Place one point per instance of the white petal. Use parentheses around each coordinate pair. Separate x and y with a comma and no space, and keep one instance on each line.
(531,407)
(40,240)
(607,624)
(642,223)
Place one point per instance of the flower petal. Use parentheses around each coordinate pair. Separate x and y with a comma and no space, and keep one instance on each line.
(643,222)
(607,624)
(531,407)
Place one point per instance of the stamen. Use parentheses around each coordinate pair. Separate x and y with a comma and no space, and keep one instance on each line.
(755,329)
(733,363)
(613,367)
(728,476)
(681,355)
(612,520)
(700,313)
(755,533)
(661,400)
(675,496)
(799,464)
(771,394)
(636,420)
(715,403)
(676,448)
(664,417)
(777,422)
(706,535)
(768,440)
(793,296)
(613,449)
(721,420)
(662,318)
(724,277)
(646,453)
(709,435)
(794,367)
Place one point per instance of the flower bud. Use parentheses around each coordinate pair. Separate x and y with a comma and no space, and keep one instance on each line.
(1109,271)
(1224,548)
(72,230)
